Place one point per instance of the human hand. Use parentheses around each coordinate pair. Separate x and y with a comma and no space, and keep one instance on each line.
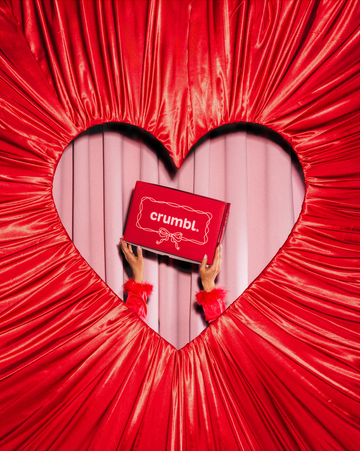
(136,262)
(208,274)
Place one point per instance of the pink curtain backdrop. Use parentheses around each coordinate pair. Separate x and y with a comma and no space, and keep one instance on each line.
(92,189)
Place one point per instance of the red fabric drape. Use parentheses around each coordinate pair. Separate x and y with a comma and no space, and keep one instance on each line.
(280,368)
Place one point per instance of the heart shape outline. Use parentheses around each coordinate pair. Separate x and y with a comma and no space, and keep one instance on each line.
(324,171)
(107,149)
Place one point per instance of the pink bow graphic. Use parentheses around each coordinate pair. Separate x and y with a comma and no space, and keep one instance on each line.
(165,235)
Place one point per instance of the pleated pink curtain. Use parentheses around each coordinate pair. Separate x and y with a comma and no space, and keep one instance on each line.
(92,190)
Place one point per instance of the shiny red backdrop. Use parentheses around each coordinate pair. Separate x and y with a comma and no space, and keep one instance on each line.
(280,368)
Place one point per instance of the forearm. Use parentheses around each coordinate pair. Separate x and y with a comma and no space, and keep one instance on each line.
(212,302)
(137,294)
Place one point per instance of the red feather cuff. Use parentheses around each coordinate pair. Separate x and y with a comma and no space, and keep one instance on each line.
(139,288)
(209,297)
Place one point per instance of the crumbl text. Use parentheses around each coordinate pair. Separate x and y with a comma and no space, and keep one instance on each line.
(177,222)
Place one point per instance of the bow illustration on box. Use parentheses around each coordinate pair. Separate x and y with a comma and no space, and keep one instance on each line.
(165,235)
(154,217)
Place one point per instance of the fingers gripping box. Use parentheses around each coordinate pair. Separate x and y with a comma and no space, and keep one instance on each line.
(176,223)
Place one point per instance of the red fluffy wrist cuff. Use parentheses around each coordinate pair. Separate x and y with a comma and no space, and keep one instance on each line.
(136,287)
(210,297)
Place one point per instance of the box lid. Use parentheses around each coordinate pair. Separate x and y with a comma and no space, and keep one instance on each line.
(174,222)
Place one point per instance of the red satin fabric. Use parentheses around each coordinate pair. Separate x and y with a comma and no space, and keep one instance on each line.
(280,368)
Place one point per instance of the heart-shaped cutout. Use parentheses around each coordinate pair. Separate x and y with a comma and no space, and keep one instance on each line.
(259,177)
(278,370)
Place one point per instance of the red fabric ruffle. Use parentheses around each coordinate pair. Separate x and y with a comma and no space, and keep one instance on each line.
(212,302)
(140,288)
(209,297)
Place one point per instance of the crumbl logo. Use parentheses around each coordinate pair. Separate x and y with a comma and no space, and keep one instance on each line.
(149,218)
(167,219)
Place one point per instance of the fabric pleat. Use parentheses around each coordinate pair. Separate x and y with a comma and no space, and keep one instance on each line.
(280,368)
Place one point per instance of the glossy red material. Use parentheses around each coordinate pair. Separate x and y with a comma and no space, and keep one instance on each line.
(280,368)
